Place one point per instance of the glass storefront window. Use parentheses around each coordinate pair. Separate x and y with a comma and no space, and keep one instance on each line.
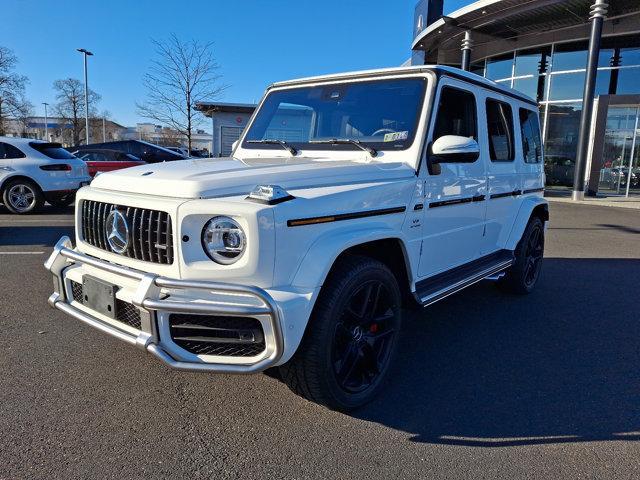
(569,57)
(563,123)
(619,171)
(628,81)
(500,67)
(603,79)
(528,86)
(477,68)
(573,56)
(604,59)
(629,57)
(532,62)
(569,86)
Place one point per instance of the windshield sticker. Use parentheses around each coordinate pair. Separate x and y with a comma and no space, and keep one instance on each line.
(392,137)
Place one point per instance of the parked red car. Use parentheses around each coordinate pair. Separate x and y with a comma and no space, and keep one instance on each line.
(102,160)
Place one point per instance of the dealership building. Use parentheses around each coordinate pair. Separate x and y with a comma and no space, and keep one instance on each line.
(541,48)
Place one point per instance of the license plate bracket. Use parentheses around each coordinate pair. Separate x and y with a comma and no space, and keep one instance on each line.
(99,295)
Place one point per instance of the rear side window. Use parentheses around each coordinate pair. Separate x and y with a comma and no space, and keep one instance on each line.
(8,151)
(500,130)
(456,114)
(530,129)
(52,150)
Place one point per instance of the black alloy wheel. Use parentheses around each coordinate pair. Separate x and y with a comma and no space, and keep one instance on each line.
(522,276)
(533,255)
(348,347)
(363,337)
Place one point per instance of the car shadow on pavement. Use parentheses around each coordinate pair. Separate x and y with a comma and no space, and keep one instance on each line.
(483,368)
(45,210)
(41,235)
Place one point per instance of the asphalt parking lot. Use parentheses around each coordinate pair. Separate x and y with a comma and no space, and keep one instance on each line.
(486,385)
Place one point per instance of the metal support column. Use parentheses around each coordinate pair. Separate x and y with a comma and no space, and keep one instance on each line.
(46,122)
(467,46)
(598,12)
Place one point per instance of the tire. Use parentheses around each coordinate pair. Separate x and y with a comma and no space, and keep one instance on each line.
(349,345)
(522,276)
(22,196)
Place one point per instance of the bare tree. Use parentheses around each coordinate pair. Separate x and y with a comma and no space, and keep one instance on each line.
(12,89)
(183,74)
(170,137)
(23,113)
(70,106)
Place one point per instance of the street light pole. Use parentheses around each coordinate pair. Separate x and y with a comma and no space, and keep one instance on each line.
(46,122)
(86,53)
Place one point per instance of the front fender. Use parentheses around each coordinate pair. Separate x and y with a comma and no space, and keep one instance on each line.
(522,219)
(322,254)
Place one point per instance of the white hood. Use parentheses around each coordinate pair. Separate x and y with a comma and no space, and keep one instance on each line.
(216,177)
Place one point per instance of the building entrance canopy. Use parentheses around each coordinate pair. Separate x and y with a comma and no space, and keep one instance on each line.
(499,26)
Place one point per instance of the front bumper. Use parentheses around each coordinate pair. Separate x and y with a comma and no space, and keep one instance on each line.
(155,296)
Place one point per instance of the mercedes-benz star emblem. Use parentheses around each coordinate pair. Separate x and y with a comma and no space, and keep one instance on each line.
(117,231)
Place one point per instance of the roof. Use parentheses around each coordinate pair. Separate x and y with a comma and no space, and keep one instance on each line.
(20,140)
(495,20)
(209,107)
(395,71)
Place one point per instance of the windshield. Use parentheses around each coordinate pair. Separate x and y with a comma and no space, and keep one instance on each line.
(382,114)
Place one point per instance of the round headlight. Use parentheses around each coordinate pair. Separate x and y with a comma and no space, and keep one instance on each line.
(223,240)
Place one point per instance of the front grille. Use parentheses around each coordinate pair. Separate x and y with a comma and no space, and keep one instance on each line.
(150,231)
(217,335)
(125,312)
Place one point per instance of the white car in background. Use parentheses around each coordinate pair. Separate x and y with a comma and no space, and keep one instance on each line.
(32,171)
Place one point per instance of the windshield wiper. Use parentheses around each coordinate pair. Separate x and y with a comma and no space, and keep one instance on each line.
(348,141)
(282,143)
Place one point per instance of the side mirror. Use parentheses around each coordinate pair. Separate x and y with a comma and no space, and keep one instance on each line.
(234,145)
(454,149)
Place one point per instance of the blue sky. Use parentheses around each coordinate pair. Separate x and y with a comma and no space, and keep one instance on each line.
(256,42)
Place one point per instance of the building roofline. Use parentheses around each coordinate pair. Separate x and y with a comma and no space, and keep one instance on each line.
(211,107)
(452,17)
(498,22)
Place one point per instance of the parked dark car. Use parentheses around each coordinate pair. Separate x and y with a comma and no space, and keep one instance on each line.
(559,170)
(145,151)
(201,153)
(103,160)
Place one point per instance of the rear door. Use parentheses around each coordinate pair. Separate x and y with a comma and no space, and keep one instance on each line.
(504,181)
(454,206)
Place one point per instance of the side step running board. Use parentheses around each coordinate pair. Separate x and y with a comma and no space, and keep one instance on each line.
(439,286)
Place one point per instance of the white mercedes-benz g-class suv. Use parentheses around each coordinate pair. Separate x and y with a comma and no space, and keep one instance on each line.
(346,196)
